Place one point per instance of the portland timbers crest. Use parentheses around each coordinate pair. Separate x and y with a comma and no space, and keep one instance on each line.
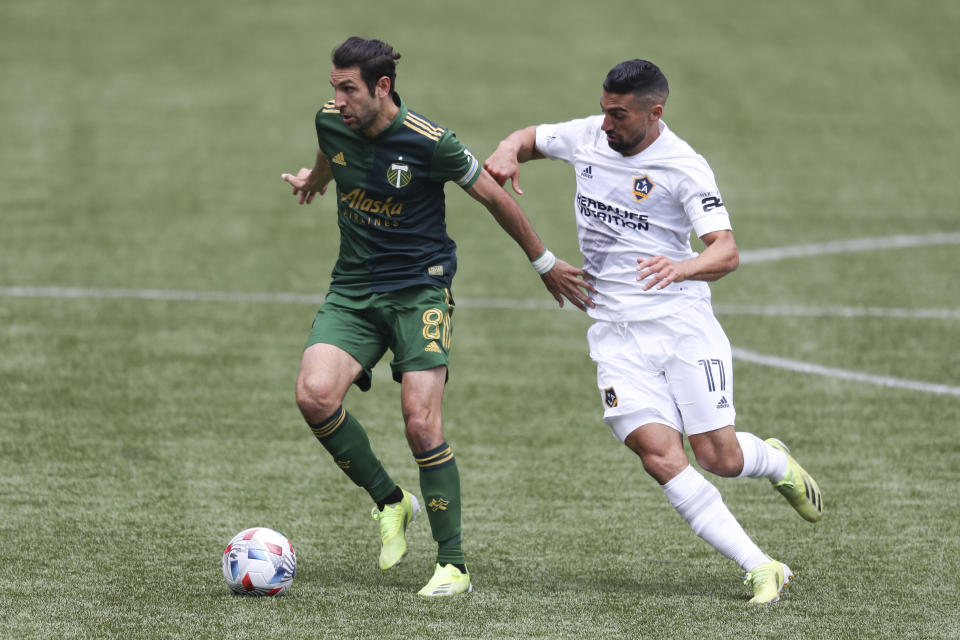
(398,174)
(642,187)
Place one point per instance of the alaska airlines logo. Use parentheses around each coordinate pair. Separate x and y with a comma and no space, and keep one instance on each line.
(358,200)
(642,187)
(399,174)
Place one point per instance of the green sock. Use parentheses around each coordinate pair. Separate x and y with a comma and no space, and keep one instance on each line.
(440,486)
(347,442)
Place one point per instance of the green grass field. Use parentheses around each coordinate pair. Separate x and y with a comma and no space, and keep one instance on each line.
(141,146)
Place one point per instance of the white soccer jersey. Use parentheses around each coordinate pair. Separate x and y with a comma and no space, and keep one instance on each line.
(636,207)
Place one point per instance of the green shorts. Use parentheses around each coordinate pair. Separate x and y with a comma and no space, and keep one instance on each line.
(414,323)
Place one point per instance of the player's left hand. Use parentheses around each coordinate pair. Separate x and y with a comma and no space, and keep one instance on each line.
(566,281)
(659,271)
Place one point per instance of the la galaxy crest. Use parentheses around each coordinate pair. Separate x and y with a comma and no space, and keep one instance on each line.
(610,397)
(642,187)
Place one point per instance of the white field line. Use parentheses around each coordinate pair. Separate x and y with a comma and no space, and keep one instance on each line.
(159,294)
(843,374)
(749,256)
(836,312)
(510,304)
(746,257)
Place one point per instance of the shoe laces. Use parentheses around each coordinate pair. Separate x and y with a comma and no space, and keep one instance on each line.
(390,519)
(446,576)
(757,575)
(451,572)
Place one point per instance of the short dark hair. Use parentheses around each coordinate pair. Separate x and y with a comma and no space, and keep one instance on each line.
(642,78)
(374,57)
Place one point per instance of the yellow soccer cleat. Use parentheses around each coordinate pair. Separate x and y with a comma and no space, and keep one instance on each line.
(799,487)
(768,580)
(447,580)
(394,520)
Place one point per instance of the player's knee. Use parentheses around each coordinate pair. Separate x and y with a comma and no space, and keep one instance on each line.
(720,463)
(316,398)
(718,452)
(663,467)
(423,432)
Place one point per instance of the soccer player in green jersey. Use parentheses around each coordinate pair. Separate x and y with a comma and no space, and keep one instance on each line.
(391,289)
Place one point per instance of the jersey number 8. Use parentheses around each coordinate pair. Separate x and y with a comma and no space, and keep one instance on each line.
(436,326)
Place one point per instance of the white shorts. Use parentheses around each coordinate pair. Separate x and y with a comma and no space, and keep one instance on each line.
(676,370)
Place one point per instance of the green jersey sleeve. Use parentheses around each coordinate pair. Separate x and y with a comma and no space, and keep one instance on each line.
(454,162)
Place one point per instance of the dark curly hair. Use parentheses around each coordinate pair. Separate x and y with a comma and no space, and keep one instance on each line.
(375,59)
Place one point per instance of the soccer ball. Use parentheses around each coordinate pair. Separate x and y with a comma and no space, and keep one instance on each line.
(259,562)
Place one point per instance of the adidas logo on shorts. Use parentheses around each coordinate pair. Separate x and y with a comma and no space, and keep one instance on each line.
(723,404)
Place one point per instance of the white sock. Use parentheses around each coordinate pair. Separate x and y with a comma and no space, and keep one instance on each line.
(702,506)
(760,460)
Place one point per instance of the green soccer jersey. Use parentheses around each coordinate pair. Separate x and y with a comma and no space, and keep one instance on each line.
(390,201)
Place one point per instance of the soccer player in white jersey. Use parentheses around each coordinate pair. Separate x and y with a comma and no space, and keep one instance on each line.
(664,366)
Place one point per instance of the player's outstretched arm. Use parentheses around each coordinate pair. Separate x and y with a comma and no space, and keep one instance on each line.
(562,280)
(309,182)
(504,164)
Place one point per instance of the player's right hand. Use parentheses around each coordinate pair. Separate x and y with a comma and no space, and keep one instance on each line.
(566,281)
(503,166)
(301,185)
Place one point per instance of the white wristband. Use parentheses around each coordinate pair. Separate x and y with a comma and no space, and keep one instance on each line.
(545,262)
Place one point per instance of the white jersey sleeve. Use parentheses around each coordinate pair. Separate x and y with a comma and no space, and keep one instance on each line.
(700,197)
(560,141)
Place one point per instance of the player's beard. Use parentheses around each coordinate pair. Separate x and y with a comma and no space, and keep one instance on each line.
(364,118)
(618,144)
